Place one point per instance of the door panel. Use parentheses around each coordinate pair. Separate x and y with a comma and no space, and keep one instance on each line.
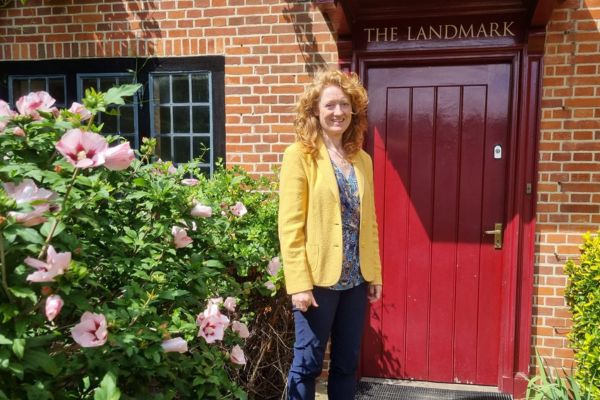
(439,187)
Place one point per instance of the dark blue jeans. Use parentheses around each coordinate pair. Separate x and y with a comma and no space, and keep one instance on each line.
(341,314)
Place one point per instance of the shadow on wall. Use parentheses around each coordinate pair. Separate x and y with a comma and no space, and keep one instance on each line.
(298,14)
(129,27)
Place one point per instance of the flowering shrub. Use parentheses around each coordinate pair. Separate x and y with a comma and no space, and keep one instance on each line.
(114,269)
(583,297)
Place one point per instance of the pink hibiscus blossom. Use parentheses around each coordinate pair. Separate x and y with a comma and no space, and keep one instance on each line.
(82,149)
(176,345)
(34,102)
(240,328)
(269,285)
(56,264)
(18,131)
(28,192)
(190,182)
(237,355)
(230,304)
(212,324)
(118,157)
(80,110)
(239,209)
(180,237)
(274,266)
(54,304)
(200,210)
(5,114)
(91,331)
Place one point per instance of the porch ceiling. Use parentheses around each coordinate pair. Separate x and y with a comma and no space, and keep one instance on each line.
(344,14)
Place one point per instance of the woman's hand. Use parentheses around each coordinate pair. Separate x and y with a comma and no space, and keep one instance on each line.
(303,300)
(374,293)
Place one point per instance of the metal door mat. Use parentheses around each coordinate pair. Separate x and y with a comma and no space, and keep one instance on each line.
(382,391)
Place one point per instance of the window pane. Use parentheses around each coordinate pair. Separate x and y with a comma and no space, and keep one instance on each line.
(110,123)
(127,125)
(201,148)
(201,116)
(37,85)
(181,90)
(205,170)
(106,83)
(163,122)
(56,88)
(182,149)
(181,119)
(86,84)
(200,88)
(164,148)
(161,90)
(20,88)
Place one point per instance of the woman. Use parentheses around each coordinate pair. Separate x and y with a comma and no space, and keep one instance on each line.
(328,233)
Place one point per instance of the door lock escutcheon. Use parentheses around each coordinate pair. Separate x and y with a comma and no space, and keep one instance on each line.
(497,232)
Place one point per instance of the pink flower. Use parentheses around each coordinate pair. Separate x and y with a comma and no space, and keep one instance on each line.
(200,210)
(28,192)
(190,182)
(230,304)
(56,264)
(80,110)
(91,331)
(180,237)
(237,355)
(54,304)
(215,300)
(241,329)
(118,157)
(274,266)
(82,149)
(34,102)
(176,345)
(19,132)
(212,324)
(269,285)
(5,114)
(239,209)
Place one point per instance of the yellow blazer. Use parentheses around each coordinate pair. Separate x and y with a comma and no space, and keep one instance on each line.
(310,220)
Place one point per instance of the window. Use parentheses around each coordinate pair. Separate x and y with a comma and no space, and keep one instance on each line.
(181,102)
(21,85)
(181,116)
(125,121)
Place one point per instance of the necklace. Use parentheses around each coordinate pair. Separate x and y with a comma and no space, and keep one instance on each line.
(342,160)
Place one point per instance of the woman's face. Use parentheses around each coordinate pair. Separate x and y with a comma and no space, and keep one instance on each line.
(334,111)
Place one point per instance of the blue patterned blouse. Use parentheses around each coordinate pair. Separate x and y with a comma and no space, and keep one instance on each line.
(351,276)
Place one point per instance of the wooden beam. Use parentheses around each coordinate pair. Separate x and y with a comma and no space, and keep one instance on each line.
(542,12)
(334,11)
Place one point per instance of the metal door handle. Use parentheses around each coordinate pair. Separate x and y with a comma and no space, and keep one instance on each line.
(497,232)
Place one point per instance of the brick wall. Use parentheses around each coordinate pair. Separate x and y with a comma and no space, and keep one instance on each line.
(271,47)
(569,167)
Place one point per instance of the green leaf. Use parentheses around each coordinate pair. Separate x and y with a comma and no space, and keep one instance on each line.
(172,294)
(45,229)
(41,359)
(30,235)
(4,339)
(108,389)
(18,347)
(115,95)
(213,264)
(24,293)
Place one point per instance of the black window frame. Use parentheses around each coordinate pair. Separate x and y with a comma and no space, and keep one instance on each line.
(142,67)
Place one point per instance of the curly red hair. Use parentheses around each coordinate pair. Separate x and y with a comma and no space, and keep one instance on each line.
(307,126)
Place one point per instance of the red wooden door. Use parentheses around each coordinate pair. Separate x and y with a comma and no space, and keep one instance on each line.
(440,153)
